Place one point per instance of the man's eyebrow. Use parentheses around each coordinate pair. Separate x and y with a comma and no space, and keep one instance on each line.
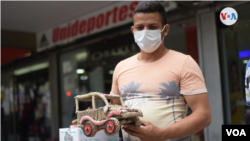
(154,24)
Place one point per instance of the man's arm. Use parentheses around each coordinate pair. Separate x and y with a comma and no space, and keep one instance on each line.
(197,120)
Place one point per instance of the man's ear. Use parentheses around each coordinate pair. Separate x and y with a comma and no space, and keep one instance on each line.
(167,27)
(132,27)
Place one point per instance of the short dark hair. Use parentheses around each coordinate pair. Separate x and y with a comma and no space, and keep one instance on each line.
(151,7)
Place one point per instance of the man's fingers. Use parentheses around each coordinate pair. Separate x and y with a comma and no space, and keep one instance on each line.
(131,127)
(144,123)
(131,132)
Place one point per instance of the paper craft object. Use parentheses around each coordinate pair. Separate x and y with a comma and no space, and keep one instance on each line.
(247,83)
(108,118)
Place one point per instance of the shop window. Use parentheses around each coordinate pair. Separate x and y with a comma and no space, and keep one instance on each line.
(234,44)
(26,109)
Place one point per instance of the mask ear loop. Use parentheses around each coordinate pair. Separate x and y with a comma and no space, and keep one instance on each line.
(162,30)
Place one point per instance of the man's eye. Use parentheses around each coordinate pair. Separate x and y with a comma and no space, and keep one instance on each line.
(139,28)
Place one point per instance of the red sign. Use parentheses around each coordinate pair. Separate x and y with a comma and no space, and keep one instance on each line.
(88,25)
(112,16)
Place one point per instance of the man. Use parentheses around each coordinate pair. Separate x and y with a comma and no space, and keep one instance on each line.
(160,82)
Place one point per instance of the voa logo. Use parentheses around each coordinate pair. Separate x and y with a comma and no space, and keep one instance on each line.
(228,16)
(236,132)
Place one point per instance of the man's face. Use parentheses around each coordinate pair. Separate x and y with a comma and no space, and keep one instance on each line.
(149,21)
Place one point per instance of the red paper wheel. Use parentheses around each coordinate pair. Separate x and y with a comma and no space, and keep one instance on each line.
(89,129)
(112,126)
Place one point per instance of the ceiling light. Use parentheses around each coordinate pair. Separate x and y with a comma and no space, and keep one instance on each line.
(81,56)
(245,61)
(31,68)
(111,71)
(80,71)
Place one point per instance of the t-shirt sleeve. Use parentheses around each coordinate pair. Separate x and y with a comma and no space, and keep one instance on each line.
(115,87)
(192,80)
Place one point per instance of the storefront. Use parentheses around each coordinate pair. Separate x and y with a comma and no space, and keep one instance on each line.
(79,56)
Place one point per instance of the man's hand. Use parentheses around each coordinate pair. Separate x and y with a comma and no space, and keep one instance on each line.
(149,132)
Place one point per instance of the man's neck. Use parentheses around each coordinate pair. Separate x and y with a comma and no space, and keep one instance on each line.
(151,57)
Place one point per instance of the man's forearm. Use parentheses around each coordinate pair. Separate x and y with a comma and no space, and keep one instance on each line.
(187,126)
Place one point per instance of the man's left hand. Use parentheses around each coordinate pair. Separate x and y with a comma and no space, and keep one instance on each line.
(148,131)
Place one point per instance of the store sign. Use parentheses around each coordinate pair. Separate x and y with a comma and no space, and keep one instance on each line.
(112,16)
(100,20)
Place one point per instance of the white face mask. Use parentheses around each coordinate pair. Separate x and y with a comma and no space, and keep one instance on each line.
(148,40)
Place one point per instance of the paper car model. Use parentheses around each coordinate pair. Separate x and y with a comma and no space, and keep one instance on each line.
(108,118)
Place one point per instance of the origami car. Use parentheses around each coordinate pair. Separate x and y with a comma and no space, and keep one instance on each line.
(110,117)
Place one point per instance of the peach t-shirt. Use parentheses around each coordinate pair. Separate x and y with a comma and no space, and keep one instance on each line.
(157,88)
